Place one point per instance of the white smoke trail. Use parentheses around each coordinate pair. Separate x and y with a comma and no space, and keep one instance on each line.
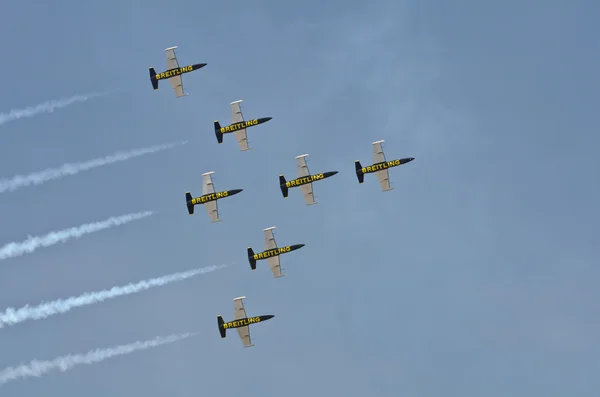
(13,249)
(68,169)
(59,306)
(38,367)
(46,107)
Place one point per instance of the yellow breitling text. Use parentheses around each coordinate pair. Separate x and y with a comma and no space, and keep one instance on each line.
(304,181)
(273,252)
(380,166)
(209,197)
(239,126)
(174,72)
(241,323)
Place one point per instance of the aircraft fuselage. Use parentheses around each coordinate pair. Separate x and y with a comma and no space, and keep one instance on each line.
(213,196)
(243,124)
(247,321)
(308,179)
(177,71)
(275,252)
(385,165)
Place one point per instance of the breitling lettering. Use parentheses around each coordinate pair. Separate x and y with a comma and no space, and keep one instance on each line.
(273,252)
(241,323)
(305,180)
(239,126)
(209,197)
(174,72)
(380,166)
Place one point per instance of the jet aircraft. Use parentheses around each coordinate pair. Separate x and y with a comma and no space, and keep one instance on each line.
(271,253)
(304,180)
(379,167)
(209,197)
(241,322)
(238,126)
(173,72)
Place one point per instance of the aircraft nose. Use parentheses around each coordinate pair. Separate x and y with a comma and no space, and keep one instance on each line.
(301,245)
(268,118)
(334,172)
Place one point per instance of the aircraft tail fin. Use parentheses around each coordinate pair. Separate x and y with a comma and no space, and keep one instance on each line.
(218,132)
(153,78)
(284,188)
(359,173)
(188,201)
(222,330)
(251,258)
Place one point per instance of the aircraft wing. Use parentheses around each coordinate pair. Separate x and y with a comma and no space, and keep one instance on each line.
(307,193)
(302,171)
(242,139)
(211,206)
(239,312)
(384,180)
(275,266)
(270,242)
(172,63)
(213,210)
(383,175)
(236,112)
(207,183)
(378,155)
(273,261)
(171,58)
(177,84)
(301,166)
(237,117)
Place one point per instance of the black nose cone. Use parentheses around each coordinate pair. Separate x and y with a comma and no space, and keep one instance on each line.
(268,118)
(235,191)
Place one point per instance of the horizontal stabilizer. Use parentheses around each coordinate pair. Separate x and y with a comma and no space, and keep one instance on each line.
(218,132)
(282,186)
(188,202)
(222,330)
(359,173)
(153,79)
(251,259)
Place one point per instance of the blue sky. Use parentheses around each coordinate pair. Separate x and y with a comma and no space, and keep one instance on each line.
(476,276)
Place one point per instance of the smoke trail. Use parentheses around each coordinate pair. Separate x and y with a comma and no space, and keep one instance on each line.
(13,249)
(67,169)
(38,368)
(59,306)
(46,107)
